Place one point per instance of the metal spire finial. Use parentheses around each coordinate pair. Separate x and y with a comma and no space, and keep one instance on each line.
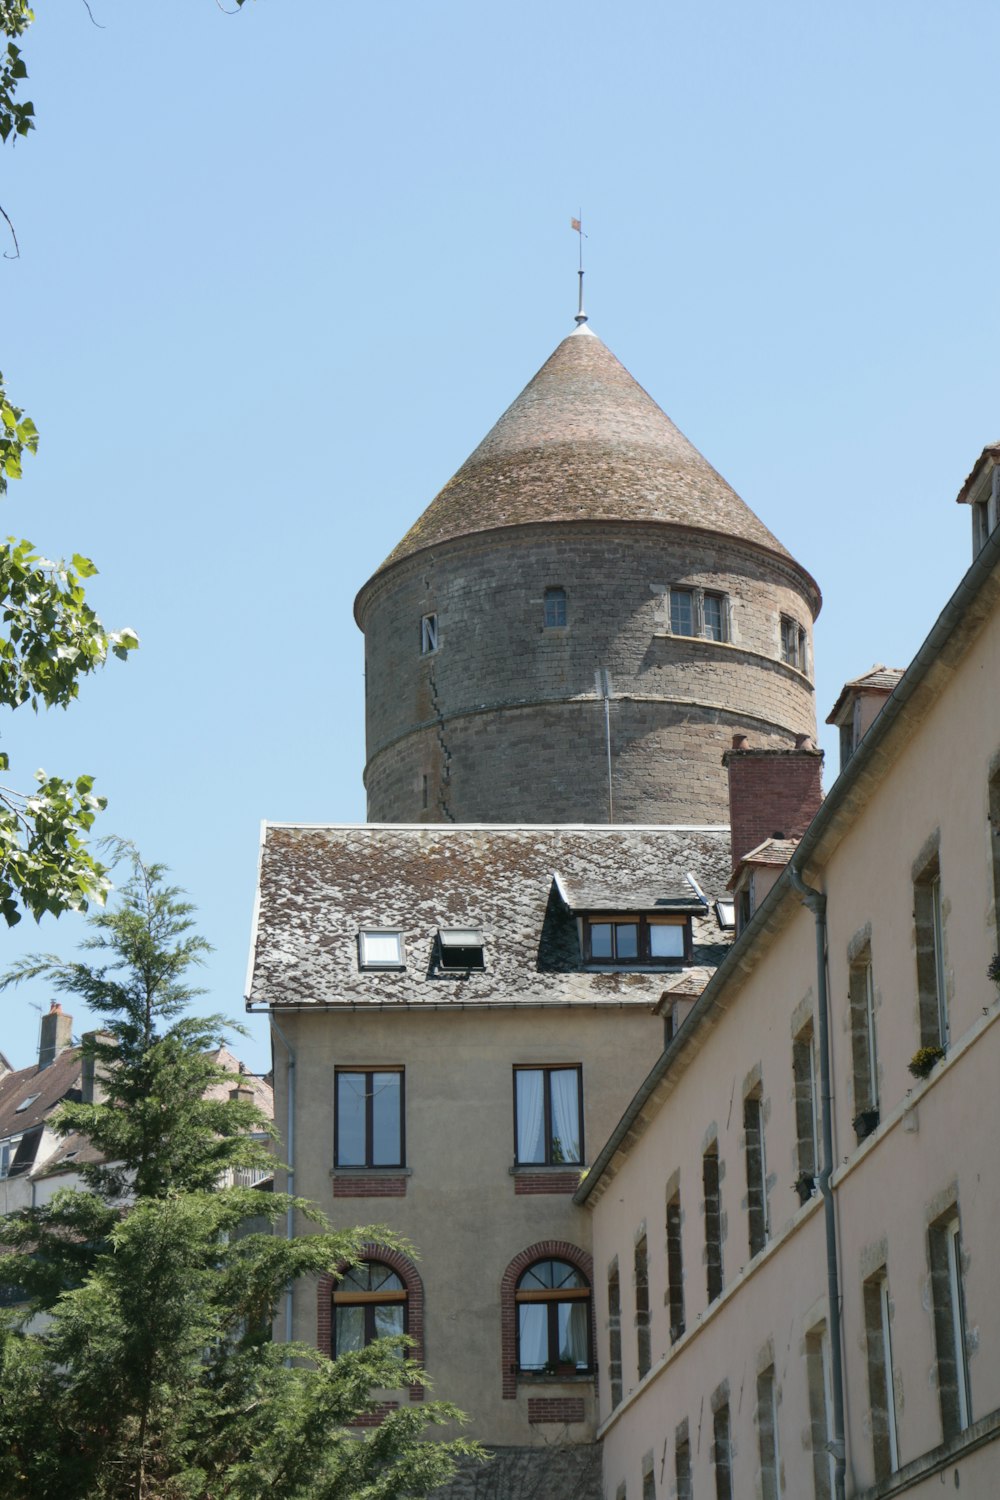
(581,316)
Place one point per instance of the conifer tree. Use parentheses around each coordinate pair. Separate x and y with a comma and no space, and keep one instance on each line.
(141,1365)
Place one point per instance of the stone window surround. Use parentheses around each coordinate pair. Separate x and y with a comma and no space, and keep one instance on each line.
(698,593)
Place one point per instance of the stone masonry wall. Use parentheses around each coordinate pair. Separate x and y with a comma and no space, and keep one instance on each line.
(502,722)
(571,1472)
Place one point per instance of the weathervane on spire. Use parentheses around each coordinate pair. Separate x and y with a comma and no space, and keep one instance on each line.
(577,224)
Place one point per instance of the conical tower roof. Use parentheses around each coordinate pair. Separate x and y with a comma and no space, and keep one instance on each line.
(584,442)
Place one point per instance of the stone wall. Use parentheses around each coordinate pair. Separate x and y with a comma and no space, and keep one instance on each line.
(558,1473)
(503,722)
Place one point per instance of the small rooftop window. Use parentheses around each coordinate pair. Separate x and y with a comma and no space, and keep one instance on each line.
(461,948)
(25,1103)
(725,915)
(381,948)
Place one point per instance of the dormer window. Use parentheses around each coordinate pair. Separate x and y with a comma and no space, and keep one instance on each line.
(381,948)
(461,948)
(637,939)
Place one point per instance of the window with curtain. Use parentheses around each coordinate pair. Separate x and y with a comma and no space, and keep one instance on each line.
(553,1319)
(548,1113)
(369,1303)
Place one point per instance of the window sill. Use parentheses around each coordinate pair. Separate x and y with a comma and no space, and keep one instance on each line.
(519,1168)
(371,1171)
(540,1377)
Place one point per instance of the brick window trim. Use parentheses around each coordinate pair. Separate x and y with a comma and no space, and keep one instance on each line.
(369,1183)
(555,1409)
(544,1250)
(410,1277)
(545,1182)
(376,1416)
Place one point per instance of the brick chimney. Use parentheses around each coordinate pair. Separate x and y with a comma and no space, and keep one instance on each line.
(55,1036)
(772,793)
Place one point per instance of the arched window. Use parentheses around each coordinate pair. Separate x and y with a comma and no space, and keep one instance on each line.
(555,607)
(553,1319)
(369,1302)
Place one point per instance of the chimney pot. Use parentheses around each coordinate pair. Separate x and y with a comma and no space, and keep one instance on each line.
(804,742)
(740,742)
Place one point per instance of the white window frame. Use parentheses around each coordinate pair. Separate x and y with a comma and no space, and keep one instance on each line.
(367,961)
(428,634)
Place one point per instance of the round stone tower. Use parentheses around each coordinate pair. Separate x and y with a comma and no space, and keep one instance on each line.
(577,624)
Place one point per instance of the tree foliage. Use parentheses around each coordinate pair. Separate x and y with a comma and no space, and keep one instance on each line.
(49,639)
(155,1377)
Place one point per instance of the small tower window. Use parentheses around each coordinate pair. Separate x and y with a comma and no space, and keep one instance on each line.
(714,612)
(555,608)
(793,643)
(428,634)
(682,611)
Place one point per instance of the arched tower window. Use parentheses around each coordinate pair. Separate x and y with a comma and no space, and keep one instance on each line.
(555,608)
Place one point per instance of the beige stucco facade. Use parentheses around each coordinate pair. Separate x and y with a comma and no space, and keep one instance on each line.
(912,808)
(461,1207)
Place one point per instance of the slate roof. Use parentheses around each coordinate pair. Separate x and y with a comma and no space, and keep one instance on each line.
(584,442)
(320,885)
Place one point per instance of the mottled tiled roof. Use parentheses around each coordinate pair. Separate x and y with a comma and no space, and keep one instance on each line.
(320,885)
(584,442)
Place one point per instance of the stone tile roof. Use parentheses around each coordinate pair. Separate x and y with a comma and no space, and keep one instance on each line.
(320,885)
(584,442)
(879,679)
(772,851)
(990,454)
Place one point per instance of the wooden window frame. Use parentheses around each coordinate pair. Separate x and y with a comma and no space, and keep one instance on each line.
(642,921)
(554,1298)
(546,1069)
(369,1301)
(369,1076)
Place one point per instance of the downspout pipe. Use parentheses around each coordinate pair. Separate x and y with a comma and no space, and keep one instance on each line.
(816,902)
(290,1155)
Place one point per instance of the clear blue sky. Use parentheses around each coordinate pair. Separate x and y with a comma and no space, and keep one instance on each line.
(280,272)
